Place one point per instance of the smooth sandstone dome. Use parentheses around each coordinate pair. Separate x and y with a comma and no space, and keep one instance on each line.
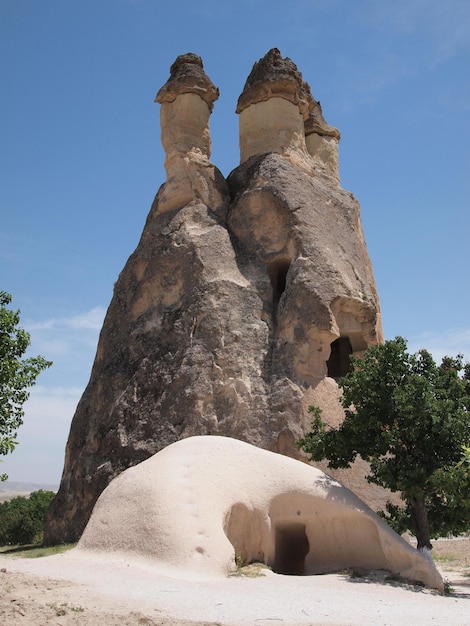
(221,497)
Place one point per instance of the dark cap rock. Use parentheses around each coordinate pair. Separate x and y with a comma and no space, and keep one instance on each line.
(187,76)
(274,77)
(316,123)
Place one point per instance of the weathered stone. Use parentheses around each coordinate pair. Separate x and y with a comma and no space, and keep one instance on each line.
(275,77)
(271,509)
(279,114)
(239,306)
(316,123)
(322,141)
(187,76)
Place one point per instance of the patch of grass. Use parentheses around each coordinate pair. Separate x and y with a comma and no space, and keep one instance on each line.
(240,560)
(444,558)
(448,589)
(252,570)
(352,572)
(62,609)
(383,577)
(36,551)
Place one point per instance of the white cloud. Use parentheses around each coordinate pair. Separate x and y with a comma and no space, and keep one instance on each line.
(446,25)
(450,342)
(74,338)
(42,438)
(70,342)
(395,40)
(91,320)
(40,393)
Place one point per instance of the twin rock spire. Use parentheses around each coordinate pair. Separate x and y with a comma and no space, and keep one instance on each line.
(278,114)
(242,301)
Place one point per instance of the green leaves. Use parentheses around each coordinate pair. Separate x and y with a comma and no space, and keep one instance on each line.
(22,519)
(410,419)
(17,375)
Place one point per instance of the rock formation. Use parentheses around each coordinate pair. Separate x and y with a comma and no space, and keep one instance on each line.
(221,497)
(243,299)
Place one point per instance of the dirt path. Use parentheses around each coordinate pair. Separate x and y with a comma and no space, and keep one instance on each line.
(29,600)
(66,589)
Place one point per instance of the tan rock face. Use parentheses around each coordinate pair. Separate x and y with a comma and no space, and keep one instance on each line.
(185,125)
(322,141)
(275,125)
(324,152)
(309,238)
(242,301)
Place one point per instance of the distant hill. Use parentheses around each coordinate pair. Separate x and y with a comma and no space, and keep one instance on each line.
(12,488)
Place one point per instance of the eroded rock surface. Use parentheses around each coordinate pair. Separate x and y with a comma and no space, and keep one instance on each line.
(242,301)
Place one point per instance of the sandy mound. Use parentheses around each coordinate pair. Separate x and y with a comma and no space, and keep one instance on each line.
(122,587)
(191,507)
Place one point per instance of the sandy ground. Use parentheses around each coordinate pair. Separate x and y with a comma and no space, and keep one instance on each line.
(72,588)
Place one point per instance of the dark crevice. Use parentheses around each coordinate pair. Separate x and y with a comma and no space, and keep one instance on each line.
(292,546)
(278,275)
(339,363)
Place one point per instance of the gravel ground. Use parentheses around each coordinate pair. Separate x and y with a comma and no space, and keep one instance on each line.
(73,589)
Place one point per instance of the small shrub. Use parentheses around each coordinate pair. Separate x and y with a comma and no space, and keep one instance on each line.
(240,560)
(448,589)
(62,610)
(22,519)
(249,570)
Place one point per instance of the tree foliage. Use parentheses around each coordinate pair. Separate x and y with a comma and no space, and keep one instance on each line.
(17,375)
(410,419)
(22,519)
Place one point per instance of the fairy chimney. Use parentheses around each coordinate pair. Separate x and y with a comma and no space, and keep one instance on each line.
(244,297)
(279,114)
(186,102)
(322,141)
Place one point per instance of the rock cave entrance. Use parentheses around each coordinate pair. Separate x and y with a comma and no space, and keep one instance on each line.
(338,364)
(278,275)
(291,548)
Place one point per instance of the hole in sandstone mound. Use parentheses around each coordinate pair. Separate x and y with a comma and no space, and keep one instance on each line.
(291,548)
(338,364)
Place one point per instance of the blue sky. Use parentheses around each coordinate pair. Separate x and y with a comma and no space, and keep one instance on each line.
(81,160)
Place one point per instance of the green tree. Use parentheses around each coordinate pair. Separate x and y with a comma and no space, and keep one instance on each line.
(22,519)
(17,375)
(410,419)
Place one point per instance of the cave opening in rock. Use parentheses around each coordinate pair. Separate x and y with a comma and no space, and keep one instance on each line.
(291,548)
(339,362)
(278,275)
